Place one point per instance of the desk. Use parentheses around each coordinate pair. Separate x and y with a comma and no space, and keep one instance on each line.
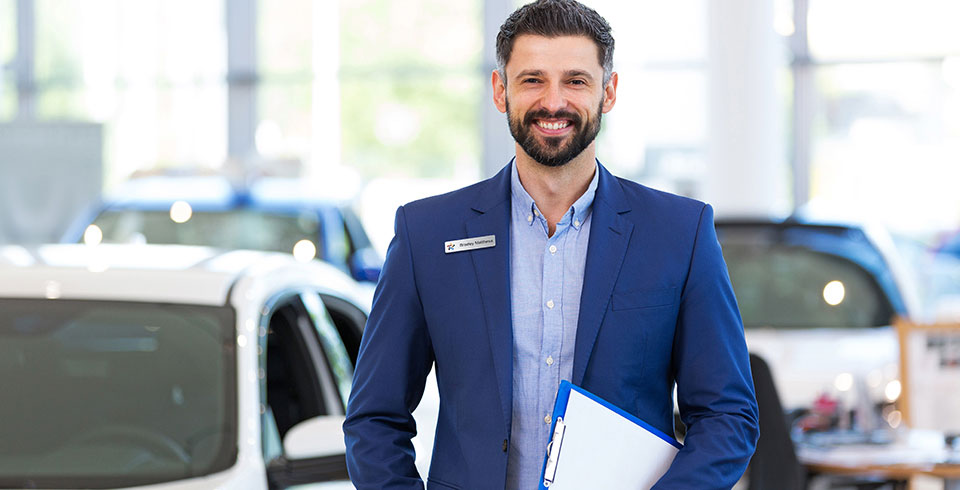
(893,461)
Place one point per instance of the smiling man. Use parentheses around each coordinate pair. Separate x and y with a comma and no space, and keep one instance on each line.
(552,270)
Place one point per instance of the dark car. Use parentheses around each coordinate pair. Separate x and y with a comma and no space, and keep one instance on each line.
(818,302)
(271,214)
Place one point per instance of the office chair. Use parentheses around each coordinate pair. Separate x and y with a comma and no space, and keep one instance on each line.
(774,465)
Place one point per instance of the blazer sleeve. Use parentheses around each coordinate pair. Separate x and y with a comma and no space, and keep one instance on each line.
(395,357)
(714,386)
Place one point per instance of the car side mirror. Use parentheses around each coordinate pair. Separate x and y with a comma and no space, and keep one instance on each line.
(365,265)
(315,438)
(313,451)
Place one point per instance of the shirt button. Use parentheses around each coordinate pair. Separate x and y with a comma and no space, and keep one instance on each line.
(549,360)
(550,304)
(553,249)
(547,419)
(536,213)
(529,218)
(576,223)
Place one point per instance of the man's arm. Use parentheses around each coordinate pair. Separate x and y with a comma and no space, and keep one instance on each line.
(714,386)
(395,358)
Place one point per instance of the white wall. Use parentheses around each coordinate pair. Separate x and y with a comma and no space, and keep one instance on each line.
(49,172)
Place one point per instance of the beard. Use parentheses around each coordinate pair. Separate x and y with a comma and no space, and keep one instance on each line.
(551,151)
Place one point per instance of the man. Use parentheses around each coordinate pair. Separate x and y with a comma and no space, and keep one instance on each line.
(553,269)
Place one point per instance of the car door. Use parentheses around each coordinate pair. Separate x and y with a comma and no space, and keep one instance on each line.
(349,321)
(305,383)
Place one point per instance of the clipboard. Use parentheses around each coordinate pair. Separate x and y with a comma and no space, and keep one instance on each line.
(598,445)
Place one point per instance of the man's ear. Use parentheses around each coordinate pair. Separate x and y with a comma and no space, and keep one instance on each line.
(610,93)
(499,91)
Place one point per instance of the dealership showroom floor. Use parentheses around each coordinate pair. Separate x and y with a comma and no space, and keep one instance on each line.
(197,199)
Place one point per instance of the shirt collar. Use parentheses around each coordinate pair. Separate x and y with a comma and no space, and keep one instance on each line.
(521,199)
(580,208)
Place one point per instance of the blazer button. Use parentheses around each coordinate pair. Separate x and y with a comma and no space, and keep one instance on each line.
(504,445)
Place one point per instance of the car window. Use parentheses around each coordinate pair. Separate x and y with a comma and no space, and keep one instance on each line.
(355,231)
(113,394)
(299,383)
(233,229)
(335,353)
(349,322)
(794,287)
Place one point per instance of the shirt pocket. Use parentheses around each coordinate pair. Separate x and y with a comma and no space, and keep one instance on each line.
(644,299)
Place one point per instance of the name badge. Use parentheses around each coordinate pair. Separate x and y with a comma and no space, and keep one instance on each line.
(470,244)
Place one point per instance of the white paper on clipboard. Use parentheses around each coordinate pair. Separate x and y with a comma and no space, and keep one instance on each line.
(602,446)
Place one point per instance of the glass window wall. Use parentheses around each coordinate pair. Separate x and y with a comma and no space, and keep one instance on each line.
(886,126)
(285,52)
(657,132)
(882,29)
(153,72)
(411,87)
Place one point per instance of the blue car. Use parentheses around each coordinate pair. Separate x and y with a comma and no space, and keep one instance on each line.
(271,214)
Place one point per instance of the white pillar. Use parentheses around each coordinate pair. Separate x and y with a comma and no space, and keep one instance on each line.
(747,171)
(241,23)
(498,146)
(26,83)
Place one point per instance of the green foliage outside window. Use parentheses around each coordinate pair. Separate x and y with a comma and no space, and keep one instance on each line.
(419,126)
(411,86)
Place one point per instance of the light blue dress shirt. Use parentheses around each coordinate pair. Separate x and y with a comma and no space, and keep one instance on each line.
(546,277)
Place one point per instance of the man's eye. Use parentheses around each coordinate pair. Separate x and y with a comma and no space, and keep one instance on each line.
(530,80)
(578,82)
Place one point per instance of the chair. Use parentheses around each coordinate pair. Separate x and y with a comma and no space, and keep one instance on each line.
(774,465)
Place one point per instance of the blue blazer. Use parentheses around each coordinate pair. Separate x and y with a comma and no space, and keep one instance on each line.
(656,309)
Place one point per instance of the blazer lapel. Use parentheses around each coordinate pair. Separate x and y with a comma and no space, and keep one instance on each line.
(609,237)
(492,266)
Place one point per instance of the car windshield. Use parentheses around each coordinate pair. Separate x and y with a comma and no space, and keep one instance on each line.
(794,283)
(110,394)
(229,229)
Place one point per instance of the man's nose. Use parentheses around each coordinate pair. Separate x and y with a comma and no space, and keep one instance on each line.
(553,99)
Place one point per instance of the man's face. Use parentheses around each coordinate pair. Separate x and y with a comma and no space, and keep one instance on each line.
(554,96)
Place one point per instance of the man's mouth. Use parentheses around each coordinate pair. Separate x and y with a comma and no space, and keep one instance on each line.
(553,126)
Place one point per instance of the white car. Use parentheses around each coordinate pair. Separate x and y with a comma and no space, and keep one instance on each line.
(173,367)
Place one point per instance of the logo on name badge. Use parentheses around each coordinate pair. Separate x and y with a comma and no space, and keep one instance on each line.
(474,243)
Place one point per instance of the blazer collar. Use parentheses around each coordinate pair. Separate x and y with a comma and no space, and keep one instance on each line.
(493,191)
(492,268)
(610,191)
(610,235)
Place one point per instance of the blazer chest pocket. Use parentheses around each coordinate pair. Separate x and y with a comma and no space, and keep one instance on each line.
(434,483)
(644,299)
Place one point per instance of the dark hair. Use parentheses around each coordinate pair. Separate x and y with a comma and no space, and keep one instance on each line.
(553,18)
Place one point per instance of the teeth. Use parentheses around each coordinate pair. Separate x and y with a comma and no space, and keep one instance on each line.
(556,125)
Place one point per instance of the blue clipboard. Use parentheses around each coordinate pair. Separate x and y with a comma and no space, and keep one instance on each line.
(595,444)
